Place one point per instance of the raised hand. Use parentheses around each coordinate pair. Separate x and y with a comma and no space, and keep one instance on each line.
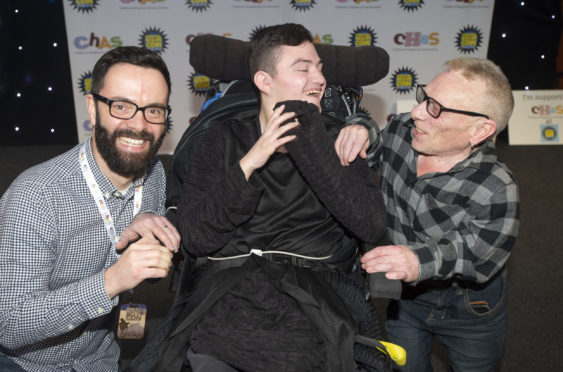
(273,137)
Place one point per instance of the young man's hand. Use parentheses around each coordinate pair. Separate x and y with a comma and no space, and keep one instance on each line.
(273,137)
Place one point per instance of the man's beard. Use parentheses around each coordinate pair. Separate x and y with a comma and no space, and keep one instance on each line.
(125,164)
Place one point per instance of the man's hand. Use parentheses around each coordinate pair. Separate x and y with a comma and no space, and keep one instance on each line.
(152,226)
(271,139)
(353,140)
(397,261)
(144,259)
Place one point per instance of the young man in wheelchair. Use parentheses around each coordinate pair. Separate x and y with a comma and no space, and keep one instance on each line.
(273,220)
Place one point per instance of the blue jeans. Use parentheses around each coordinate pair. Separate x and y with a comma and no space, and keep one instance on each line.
(469,321)
(6,364)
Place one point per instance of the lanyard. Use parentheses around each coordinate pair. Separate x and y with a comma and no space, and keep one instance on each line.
(99,197)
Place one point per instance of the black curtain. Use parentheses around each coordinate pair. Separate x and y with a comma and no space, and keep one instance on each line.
(531,31)
(33,67)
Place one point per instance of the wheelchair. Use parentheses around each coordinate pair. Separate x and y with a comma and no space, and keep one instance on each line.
(224,60)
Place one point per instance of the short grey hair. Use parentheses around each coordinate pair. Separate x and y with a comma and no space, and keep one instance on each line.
(498,100)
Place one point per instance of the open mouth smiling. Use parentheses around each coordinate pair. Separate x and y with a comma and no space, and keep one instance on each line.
(131,141)
(313,92)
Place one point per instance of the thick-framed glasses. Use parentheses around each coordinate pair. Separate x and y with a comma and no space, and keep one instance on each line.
(434,108)
(125,110)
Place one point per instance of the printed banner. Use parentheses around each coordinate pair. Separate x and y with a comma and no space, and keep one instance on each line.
(537,117)
(419,35)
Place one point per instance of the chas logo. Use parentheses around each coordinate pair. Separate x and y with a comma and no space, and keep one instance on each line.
(547,110)
(302,5)
(469,39)
(153,39)
(403,80)
(85,83)
(199,83)
(199,5)
(363,36)
(254,1)
(84,6)
(83,42)
(142,2)
(356,1)
(416,39)
(411,5)
(323,39)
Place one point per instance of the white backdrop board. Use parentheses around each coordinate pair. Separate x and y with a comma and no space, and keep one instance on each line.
(419,35)
(537,117)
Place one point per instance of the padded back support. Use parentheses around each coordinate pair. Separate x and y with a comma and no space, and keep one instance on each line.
(226,59)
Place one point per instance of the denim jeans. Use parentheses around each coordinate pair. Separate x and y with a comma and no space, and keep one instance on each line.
(469,321)
(6,364)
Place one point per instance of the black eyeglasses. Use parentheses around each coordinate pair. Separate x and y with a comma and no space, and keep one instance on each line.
(125,110)
(434,108)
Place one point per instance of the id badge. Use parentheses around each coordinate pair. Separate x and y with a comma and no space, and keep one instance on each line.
(132,319)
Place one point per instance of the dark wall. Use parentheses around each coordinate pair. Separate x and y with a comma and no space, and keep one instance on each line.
(531,31)
(47,117)
(43,116)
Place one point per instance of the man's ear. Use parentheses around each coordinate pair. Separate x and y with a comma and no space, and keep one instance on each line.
(483,131)
(91,106)
(263,80)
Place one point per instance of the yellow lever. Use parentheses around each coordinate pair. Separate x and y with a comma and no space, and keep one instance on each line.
(397,353)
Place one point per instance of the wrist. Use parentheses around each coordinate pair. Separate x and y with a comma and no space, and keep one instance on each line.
(246,167)
(111,290)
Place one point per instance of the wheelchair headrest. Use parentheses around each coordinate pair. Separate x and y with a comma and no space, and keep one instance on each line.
(226,59)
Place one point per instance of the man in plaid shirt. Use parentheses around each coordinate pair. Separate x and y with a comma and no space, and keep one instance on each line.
(453,216)
(63,264)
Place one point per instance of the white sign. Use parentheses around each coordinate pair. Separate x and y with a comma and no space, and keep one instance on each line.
(537,117)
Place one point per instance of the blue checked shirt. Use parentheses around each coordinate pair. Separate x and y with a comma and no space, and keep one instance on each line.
(55,314)
(462,223)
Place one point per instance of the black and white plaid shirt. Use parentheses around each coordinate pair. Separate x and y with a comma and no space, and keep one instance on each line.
(55,314)
(460,224)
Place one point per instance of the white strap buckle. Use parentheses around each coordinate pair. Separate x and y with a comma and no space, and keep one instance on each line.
(257,252)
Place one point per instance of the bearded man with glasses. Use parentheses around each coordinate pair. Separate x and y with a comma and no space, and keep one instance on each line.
(453,216)
(65,223)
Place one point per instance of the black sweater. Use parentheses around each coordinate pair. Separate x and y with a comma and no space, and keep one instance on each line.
(217,200)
